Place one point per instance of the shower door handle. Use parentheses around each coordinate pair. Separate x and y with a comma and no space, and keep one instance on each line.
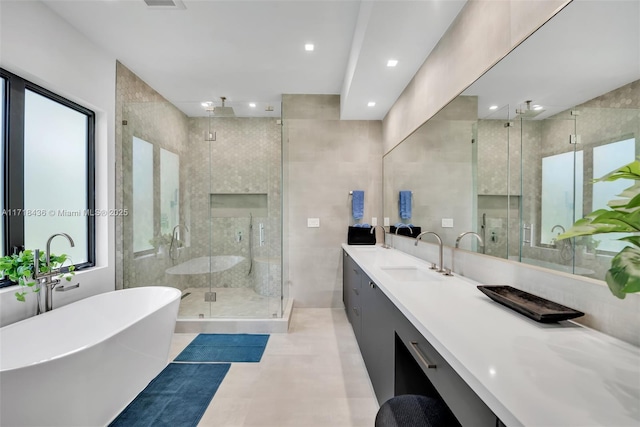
(261,228)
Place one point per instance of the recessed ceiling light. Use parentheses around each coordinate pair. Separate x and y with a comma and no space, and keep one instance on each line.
(392,63)
(371,104)
(537,107)
(206,104)
(493,107)
(252,104)
(309,47)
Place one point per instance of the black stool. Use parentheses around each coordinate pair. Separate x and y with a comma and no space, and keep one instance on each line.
(412,410)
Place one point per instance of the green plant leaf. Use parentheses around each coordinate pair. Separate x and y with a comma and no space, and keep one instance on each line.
(19,268)
(633,203)
(624,275)
(629,171)
(634,240)
(604,221)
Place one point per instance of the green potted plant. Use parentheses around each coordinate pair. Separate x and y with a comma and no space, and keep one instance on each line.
(19,268)
(623,216)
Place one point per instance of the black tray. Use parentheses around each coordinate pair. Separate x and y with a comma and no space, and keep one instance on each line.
(534,307)
(404,231)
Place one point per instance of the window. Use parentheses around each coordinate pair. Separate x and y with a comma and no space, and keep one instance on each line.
(561,174)
(143,195)
(3,84)
(48,178)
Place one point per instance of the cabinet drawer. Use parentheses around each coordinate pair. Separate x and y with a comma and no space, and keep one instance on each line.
(467,407)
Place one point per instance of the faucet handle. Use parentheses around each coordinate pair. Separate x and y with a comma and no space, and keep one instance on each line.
(36,263)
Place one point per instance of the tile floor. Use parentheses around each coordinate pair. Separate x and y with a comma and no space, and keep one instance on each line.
(313,376)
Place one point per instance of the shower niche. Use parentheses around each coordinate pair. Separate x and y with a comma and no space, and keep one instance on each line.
(225,205)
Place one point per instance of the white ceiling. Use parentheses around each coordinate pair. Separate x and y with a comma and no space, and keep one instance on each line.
(253,51)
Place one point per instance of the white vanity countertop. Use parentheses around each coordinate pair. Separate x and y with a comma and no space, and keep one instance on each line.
(527,373)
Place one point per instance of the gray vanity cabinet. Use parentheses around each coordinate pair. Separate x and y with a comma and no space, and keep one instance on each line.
(380,328)
(377,343)
(352,278)
(373,326)
(467,407)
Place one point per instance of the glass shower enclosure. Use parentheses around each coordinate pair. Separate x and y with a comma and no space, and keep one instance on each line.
(204,204)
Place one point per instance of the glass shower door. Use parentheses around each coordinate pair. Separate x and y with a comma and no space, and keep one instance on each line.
(244,211)
(551,189)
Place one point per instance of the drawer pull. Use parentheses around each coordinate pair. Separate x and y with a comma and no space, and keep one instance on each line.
(422,357)
(372,285)
(356,291)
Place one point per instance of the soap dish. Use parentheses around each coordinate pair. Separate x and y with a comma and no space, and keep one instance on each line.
(532,306)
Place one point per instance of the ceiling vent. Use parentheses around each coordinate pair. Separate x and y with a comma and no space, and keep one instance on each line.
(165,4)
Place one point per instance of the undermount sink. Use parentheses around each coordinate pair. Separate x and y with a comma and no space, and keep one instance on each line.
(409,273)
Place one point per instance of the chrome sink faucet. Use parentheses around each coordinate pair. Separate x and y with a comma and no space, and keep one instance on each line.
(473,233)
(384,235)
(419,236)
(46,277)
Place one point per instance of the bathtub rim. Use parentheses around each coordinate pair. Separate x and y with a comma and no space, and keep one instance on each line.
(92,343)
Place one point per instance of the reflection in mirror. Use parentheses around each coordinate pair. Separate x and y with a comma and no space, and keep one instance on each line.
(557,112)
(169,191)
(435,163)
(142,178)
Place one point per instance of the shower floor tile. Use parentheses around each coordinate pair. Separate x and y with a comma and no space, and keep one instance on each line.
(230,303)
(312,376)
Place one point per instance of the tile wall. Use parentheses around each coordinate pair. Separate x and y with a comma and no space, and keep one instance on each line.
(325,158)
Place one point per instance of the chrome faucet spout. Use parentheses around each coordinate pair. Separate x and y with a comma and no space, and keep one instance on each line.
(419,237)
(473,233)
(174,233)
(46,277)
(174,237)
(404,226)
(384,235)
(48,253)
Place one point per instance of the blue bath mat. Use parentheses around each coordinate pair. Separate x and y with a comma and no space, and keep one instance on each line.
(177,397)
(224,348)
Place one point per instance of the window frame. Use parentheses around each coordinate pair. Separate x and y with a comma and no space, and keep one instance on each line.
(13,165)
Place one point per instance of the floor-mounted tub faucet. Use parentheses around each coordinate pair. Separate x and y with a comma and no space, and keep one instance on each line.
(384,235)
(419,236)
(174,238)
(46,277)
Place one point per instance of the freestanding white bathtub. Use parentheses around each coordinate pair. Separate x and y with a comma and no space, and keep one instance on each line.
(81,364)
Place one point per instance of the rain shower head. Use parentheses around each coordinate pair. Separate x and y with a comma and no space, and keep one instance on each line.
(528,112)
(223,111)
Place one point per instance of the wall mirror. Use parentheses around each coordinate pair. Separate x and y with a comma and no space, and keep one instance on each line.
(514,156)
